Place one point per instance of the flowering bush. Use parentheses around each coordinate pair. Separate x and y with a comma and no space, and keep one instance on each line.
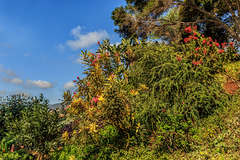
(200,50)
(182,85)
(147,90)
(102,98)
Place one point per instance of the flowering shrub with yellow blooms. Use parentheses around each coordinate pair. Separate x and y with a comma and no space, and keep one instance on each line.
(104,96)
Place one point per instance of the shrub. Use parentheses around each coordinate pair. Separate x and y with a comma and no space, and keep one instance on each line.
(38,129)
(102,98)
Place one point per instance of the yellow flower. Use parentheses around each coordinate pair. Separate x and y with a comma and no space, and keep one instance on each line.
(138,126)
(65,136)
(72,157)
(134,92)
(101,98)
(143,87)
(93,128)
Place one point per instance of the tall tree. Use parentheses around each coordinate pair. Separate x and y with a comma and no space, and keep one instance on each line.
(143,17)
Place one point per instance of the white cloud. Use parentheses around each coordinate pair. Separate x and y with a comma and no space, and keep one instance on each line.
(79,60)
(69,85)
(14,80)
(61,47)
(2,92)
(7,71)
(85,40)
(40,84)
(115,44)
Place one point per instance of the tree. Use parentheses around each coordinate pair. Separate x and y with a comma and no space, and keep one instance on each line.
(143,17)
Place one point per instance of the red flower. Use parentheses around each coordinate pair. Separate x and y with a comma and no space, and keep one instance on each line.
(95,99)
(183,103)
(77,77)
(74,93)
(88,83)
(210,39)
(107,54)
(217,44)
(98,42)
(204,41)
(197,49)
(186,40)
(221,51)
(194,63)
(231,44)
(223,44)
(188,29)
(202,35)
(194,28)
(205,51)
(74,81)
(94,60)
(116,54)
(163,110)
(98,56)
(195,38)
(178,59)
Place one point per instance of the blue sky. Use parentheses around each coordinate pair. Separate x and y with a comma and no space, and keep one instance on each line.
(40,42)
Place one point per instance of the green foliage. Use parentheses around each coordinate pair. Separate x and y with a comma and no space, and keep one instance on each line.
(68,152)
(38,128)
(67,98)
(5,149)
(17,155)
(183,77)
(137,153)
(11,110)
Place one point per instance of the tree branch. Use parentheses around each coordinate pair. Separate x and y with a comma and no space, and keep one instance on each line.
(214,18)
(233,15)
(238,7)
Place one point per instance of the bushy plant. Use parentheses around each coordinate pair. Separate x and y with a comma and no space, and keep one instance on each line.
(102,98)
(150,93)
(182,86)
(39,128)
(11,110)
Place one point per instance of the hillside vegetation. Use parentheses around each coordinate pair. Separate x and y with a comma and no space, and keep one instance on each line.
(139,100)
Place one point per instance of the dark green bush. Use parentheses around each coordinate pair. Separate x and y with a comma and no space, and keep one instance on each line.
(39,128)
(11,110)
